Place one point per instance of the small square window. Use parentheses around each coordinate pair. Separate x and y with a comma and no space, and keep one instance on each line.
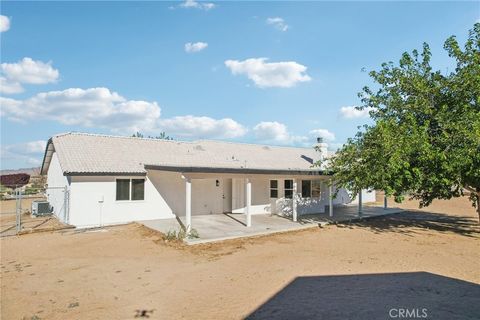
(316,188)
(288,184)
(138,189)
(288,193)
(123,189)
(288,189)
(273,188)
(306,188)
(273,193)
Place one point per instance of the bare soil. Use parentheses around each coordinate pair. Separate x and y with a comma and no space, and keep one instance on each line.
(418,259)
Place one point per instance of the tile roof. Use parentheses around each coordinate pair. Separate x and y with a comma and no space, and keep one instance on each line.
(82,153)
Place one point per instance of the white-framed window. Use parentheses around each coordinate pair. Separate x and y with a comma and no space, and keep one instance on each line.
(130,189)
(316,188)
(306,188)
(273,188)
(288,189)
(311,188)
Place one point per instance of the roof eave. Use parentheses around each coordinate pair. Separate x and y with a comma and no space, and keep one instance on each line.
(47,157)
(309,172)
(90,174)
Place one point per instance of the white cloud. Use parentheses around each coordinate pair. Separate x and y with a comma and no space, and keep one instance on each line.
(30,71)
(94,107)
(189,4)
(278,23)
(195,47)
(102,108)
(351,112)
(9,87)
(31,147)
(269,74)
(4,23)
(202,127)
(29,153)
(276,132)
(323,133)
(25,71)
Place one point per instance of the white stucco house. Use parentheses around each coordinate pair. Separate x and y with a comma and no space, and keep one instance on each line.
(96,180)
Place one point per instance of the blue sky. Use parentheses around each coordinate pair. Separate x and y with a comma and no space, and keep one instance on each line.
(262,72)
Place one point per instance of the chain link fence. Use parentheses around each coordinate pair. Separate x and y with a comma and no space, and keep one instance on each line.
(24,208)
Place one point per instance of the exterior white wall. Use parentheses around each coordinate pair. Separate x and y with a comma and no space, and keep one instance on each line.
(93,202)
(309,205)
(56,183)
(304,205)
(207,197)
(93,198)
(261,202)
(171,187)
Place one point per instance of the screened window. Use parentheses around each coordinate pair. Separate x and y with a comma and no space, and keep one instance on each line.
(130,189)
(316,188)
(306,188)
(123,189)
(138,189)
(288,184)
(273,188)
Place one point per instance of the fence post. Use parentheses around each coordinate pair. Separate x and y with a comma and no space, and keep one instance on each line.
(18,209)
(65,204)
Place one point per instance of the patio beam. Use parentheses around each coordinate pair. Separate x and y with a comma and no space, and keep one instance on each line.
(248,202)
(188,205)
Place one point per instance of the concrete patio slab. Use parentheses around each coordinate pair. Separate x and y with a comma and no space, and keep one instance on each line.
(349,213)
(218,227)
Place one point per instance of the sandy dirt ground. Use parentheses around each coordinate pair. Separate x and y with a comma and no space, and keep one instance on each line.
(424,259)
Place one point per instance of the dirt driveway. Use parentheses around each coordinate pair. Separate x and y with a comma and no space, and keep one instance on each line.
(426,261)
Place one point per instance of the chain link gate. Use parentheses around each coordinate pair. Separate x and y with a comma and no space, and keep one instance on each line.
(20,218)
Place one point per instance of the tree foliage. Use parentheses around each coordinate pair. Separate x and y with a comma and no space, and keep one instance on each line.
(14,180)
(162,136)
(425,140)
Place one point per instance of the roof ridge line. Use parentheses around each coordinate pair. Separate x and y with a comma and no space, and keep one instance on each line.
(177,141)
(256,144)
(76,133)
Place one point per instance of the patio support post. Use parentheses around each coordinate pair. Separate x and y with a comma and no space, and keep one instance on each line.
(248,201)
(360,204)
(385,204)
(188,205)
(330,200)
(294,201)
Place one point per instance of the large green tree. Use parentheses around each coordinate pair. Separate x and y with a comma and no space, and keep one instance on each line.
(425,136)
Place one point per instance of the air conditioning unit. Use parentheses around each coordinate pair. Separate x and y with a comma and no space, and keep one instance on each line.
(41,208)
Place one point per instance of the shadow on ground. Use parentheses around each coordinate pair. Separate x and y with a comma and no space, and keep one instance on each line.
(374,296)
(404,222)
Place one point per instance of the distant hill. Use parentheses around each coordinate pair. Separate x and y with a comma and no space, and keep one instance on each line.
(30,171)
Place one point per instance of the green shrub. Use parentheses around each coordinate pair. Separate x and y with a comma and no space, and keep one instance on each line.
(181,234)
